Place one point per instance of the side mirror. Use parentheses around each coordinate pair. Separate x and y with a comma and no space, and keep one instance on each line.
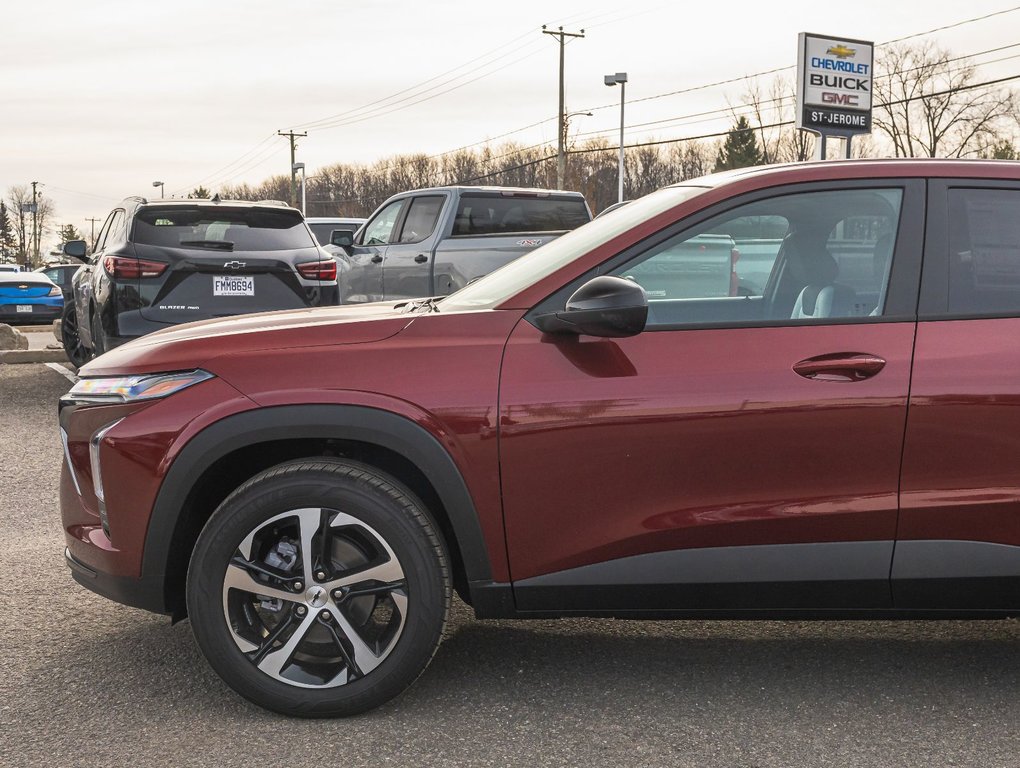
(76,249)
(605,306)
(343,238)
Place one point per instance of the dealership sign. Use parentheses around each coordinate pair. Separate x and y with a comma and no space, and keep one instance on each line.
(834,79)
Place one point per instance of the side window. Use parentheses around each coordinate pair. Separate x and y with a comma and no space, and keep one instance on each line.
(421,218)
(984,251)
(813,256)
(56,275)
(379,229)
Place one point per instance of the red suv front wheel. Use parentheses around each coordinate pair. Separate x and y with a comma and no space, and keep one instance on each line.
(319,588)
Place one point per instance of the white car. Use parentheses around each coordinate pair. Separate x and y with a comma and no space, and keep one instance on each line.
(323,227)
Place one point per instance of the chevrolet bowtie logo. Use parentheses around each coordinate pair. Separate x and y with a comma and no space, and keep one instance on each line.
(234,264)
(842,51)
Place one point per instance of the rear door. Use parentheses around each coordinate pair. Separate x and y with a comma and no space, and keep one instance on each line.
(959,533)
(91,274)
(215,261)
(730,456)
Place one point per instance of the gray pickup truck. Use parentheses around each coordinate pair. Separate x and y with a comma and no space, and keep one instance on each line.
(431,242)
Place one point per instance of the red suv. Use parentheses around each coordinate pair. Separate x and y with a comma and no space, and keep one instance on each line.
(581,433)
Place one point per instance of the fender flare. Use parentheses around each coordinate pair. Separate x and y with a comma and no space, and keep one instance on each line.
(340,422)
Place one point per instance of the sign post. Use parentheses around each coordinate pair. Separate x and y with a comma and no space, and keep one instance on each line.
(834,87)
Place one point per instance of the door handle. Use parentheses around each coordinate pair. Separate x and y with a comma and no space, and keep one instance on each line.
(421,258)
(840,366)
(377,259)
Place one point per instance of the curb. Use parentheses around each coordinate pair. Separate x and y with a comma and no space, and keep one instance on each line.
(33,328)
(16,356)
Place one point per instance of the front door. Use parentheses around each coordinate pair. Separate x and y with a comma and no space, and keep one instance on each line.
(741,453)
(361,277)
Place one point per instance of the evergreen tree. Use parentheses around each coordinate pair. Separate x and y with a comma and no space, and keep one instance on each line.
(740,149)
(1002,150)
(8,241)
(199,193)
(69,232)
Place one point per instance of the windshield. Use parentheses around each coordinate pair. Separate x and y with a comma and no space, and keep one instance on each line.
(498,286)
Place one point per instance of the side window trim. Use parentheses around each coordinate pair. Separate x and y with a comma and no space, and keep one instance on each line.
(104,232)
(901,300)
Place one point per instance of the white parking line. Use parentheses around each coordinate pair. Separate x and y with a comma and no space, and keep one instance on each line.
(63,372)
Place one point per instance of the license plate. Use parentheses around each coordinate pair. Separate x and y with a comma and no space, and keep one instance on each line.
(233,285)
(24,307)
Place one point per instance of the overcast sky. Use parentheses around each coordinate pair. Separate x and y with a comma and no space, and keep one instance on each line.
(99,99)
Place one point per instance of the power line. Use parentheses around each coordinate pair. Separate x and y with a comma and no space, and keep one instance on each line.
(388,108)
(718,134)
(216,173)
(731,81)
(320,121)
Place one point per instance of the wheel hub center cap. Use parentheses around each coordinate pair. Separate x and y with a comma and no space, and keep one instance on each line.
(316,596)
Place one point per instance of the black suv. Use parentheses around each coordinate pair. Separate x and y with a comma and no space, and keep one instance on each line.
(163,262)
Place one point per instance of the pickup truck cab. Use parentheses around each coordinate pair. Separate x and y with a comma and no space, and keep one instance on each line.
(431,242)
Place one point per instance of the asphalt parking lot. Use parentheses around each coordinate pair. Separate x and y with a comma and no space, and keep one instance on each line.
(86,682)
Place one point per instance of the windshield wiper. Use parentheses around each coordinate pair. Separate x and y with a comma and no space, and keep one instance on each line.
(413,306)
(216,245)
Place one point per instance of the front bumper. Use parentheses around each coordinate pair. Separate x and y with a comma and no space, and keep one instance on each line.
(109,556)
(145,592)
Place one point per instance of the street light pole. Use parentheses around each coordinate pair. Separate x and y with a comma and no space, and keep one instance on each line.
(160,185)
(35,228)
(620,78)
(304,198)
(565,136)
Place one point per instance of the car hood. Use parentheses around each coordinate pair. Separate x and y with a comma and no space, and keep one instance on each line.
(194,345)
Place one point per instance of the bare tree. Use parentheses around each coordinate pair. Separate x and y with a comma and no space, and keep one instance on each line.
(17,197)
(768,112)
(932,106)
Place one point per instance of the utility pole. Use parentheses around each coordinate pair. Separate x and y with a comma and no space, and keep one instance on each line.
(35,229)
(561,156)
(92,234)
(293,146)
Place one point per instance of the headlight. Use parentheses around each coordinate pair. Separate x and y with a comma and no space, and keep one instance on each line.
(129,389)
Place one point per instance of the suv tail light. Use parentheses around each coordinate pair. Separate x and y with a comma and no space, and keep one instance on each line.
(123,268)
(318,270)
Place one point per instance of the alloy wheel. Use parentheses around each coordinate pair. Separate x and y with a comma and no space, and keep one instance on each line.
(315,598)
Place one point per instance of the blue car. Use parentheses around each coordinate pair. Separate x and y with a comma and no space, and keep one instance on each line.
(29,297)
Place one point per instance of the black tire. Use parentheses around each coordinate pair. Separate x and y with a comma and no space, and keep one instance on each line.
(76,352)
(99,342)
(340,492)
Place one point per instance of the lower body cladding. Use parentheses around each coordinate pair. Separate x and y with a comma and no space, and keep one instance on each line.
(910,579)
